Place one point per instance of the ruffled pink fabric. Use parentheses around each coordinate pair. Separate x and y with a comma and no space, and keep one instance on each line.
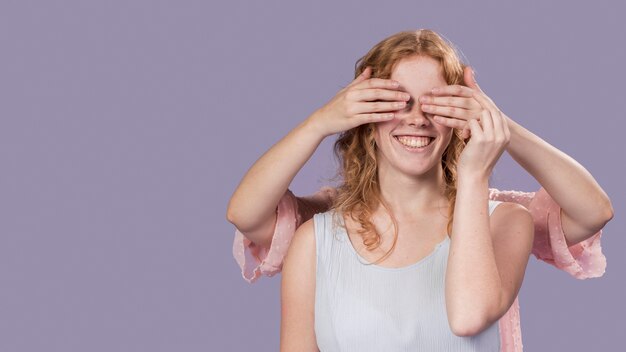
(582,260)
(292,211)
(255,260)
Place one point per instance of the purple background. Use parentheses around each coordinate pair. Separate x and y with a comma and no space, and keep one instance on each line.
(126,126)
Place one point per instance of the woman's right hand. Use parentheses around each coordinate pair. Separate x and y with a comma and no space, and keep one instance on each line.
(362,101)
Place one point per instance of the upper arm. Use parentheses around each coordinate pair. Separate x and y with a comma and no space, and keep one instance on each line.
(297,329)
(577,232)
(261,250)
(291,210)
(264,233)
(512,233)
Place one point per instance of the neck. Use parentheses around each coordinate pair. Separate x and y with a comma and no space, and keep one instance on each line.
(405,194)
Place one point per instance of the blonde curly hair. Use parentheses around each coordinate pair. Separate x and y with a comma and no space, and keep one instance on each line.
(359,193)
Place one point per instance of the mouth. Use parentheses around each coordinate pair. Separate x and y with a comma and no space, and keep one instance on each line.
(415,143)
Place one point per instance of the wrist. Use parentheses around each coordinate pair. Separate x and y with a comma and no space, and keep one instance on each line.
(312,126)
(515,129)
(473,179)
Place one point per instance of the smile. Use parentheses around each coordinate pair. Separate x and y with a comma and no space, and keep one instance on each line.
(415,144)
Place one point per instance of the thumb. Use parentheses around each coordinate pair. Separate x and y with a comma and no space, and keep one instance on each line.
(466,133)
(470,78)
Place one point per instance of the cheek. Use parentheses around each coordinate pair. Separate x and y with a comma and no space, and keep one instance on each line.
(448,137)
(382,130)
(378,138)
(386,126)
(445,131)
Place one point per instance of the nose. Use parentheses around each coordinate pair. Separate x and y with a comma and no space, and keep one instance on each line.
(416,117)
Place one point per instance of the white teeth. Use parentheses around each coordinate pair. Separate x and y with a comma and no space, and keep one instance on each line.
(414,142)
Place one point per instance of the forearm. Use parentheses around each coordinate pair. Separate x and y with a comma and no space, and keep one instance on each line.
(473,283)
(254,202)
(586,208)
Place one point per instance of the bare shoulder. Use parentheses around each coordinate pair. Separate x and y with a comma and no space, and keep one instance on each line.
(303,242)
(299,262)
(512,219)
(512,232)
(298,291)
(507,211)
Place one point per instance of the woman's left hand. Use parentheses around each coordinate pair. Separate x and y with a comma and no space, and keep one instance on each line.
(461,107)
(488,140)
(454,105)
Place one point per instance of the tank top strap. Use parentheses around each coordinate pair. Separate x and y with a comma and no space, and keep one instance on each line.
(319,224)
(492,205)
(324,234)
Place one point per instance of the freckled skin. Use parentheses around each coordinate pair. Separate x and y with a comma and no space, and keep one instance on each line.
(413,120)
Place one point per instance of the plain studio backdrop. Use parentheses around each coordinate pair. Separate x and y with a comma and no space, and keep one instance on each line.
(127,125)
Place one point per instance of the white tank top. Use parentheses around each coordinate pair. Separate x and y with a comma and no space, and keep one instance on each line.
(361,307)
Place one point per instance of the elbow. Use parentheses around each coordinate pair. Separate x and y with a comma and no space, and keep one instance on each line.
(598,217)
(246,219)
(234,217)
(467,327)
(239,214)
(472,320)
(609,213)
(258,233)
(604,215)
(231,216)
(605,212)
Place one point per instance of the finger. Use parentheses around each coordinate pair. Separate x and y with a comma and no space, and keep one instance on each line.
(455,89)
(486,122)
(362,77)
(460,102)
(450,122)
(480,90)
(489,105)
(475,81)
(377,83)
(373,94)
(377,106)
(504,127)
(450,111)
(466,132)
(499,125)
(475,128)
(498,130)
(469,75)
(484,101)
(373,117)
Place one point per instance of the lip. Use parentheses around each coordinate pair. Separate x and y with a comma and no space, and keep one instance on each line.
(414,135)
(425,149)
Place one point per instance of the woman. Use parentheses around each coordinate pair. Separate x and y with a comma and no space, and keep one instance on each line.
(253,204)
